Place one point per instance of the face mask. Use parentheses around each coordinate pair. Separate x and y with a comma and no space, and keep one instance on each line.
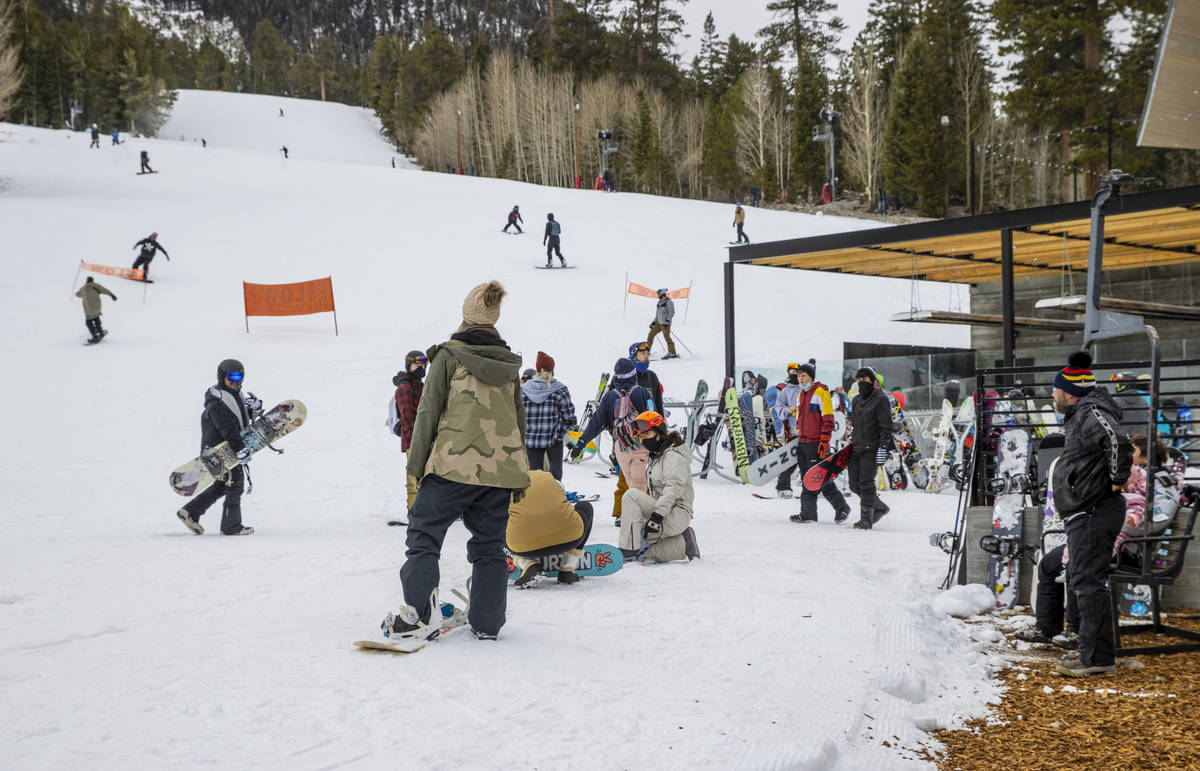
(418,373)
(806,387)
(641,366)
(653,444)
(793,379)
(866,387)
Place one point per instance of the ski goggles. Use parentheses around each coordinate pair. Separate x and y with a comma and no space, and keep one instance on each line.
(793,367)
(646,422)
(235,377)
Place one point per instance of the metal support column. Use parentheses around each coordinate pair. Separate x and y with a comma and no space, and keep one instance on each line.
(729,329)
(1008,299)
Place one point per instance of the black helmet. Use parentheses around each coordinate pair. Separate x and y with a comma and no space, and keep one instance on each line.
(414,356)
(550,216)
(527,375)
(227,366)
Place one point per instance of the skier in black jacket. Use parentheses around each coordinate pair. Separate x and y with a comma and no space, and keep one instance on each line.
(226,412)
(150,246)
(871,435)
(1087,482)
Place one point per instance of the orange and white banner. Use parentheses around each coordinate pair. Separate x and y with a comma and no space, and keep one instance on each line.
(645,291)
(298,299)
(109,270)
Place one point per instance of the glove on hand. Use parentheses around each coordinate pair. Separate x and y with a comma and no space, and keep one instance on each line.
(243,455)
(577,450)
(518,496)
(114,298)
(881,456)
(823,448)
(253,404)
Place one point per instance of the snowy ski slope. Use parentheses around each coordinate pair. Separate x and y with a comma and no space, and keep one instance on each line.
(127,642)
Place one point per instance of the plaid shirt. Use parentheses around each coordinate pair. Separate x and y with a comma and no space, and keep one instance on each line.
(546,421)
(408,396)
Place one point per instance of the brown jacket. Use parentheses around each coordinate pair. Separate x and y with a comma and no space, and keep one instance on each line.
(543,518)
(90,292)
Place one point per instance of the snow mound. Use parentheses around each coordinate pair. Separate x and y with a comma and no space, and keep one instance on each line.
(964,601)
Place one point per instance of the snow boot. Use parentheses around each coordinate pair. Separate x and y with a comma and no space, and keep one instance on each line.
(841,515)
(1031,634)
(231,520)
(568,577)
(862,524)
(242,530)
(483,635)
(1072,666)
(689,544)
(880,513)
(1068,639)
(784,493)
(531,571)
(801,518)
(189,521)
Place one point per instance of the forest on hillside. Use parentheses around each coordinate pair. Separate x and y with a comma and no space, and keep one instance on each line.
(520,88)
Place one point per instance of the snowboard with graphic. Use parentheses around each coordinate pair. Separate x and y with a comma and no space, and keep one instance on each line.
(737,436)
(832,465)
(1009,485)
(589,410)
(198,473)
(599,559)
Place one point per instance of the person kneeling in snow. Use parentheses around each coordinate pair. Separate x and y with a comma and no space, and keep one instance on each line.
(657,525)
(544,523)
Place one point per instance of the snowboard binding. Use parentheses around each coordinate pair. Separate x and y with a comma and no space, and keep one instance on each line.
(1006,548)
(947,541)
(1011,484)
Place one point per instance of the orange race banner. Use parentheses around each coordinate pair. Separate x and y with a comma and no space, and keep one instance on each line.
(298,299)
(645,291)
(109,270)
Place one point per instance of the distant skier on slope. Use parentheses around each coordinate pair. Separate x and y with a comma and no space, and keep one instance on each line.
(739,219)
(90,293)
(664,313)
(150,246)
(95,136)
(514,220)
(551,241)
(146,163)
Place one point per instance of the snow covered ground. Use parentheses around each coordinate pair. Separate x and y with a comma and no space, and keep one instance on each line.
(127,642)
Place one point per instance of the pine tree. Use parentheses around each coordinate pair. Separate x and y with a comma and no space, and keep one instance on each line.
(719,153)
(917,151)
(712,54)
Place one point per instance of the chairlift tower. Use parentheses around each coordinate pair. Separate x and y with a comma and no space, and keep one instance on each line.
(608,146)
(824,132)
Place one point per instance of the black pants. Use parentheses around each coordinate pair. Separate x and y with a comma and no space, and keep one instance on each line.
(484,512)
(147,170)
(742,234)
(230,487)
(806,458)
(1090,538)
(552,246)
(513,224)
(1050,596)
(584,509)
(862,482)
(143,260)
(543,457)
(93,325)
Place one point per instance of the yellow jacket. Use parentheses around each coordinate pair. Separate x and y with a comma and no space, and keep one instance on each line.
(543,518)
(739,216)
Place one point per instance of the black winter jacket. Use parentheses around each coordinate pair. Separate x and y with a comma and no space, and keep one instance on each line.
(223,418)
(1096,454)
(871,422)
(650,382)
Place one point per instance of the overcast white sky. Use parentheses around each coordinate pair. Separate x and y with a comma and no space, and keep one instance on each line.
(746,17)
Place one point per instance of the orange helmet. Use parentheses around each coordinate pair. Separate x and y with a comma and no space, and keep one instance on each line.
(647,421)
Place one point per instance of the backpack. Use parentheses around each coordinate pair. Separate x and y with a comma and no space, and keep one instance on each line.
(622,426)
(555,229)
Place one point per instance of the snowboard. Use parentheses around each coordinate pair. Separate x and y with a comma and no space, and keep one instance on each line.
(94,340)
(770,465)
(589,410)
(1048,451)
(196,474)
(1009,485)
(828,468)
(142,173)
(599,559)
(906,446)
(452,618)
(554,267)
(749,432)
(943,449)
(733,412)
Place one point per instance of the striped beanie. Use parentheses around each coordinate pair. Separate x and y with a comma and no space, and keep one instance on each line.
(1076,378)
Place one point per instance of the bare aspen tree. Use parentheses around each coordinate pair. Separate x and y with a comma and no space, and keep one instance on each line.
(10,69)
(969,73)
(753,124)
(865,119)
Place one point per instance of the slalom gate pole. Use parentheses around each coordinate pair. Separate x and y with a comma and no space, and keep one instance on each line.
(77,272)
(688,307)
(625,291)
(145,288)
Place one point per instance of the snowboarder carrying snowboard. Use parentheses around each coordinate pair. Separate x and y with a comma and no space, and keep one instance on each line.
(1087,478)
(403,412)
(146,163)
(550,239)
(150,246)
(90,293)
(664,312)
(656,523)
(615,413)
(226,412)
(514,220)
(639,352)
(808,409)
(549,414)
(739,219)
(468,456)
(543,523)
(871,435)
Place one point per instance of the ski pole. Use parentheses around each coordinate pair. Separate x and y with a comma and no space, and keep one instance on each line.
(685,347)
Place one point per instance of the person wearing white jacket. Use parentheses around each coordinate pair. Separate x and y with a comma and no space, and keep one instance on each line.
(657,526)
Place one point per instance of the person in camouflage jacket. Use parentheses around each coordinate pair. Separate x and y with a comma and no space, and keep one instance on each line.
(468,457)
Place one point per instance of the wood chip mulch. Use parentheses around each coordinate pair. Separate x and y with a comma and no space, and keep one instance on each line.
(1146,716)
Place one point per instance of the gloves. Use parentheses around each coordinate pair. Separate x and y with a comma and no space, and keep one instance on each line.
(881,456)
(652,323)
(823,447)
(243,455)
(655,523)
(576,450)
(518,496)
(253,403)
(114,298)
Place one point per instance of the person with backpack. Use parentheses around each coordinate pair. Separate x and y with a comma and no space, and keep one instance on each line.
(664,313)
(656,523)
(621,403)
(551,241)
(514,220)
(90,294)
(639,353)
(549,413)
(402,411)
(150,246)
(226,412)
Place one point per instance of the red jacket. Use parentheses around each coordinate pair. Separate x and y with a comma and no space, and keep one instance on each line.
(814,414)
(408,396)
